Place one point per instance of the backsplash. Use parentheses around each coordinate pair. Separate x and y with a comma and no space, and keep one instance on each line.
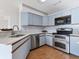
(74,27)
(32,29)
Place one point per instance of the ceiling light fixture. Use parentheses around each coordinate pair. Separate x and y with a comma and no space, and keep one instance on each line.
(42,0)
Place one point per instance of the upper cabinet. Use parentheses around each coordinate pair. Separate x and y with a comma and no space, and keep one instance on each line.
(75,15)
(47,21)
(24,18)
(30,19)
(34,19)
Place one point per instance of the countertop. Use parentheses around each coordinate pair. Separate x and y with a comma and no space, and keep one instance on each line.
(10,40)
(77,35)
(7,40)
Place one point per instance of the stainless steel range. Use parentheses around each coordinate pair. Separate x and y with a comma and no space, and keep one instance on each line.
(61,39)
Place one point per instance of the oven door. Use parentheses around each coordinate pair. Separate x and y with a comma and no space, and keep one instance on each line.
(61,44)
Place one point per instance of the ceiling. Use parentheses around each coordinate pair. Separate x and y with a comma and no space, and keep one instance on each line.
(52,6)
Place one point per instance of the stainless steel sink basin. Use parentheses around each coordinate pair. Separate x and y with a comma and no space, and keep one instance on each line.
(17,35)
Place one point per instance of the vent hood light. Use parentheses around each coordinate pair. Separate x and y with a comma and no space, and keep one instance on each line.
(42,0)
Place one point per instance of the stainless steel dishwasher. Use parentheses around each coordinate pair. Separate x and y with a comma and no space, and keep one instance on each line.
(35,41)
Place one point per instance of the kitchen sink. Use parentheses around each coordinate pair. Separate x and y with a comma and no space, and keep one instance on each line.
(17,35)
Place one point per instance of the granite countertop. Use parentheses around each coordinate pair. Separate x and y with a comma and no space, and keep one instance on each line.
(10,40)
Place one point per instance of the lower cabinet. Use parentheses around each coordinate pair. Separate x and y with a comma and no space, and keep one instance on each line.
(42,39)
(22,50)
(49,39)
(46,39)
(74,45)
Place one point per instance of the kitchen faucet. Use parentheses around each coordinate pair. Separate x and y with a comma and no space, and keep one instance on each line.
(14,31)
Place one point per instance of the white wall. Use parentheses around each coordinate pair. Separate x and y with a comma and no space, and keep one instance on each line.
(63,13)
(9,12)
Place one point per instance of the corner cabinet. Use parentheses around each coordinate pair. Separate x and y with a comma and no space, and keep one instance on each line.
(42,39)
(46,39)
(21,49)
(49,39)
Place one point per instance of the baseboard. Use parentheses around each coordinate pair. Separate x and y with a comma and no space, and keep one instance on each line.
(37,47)
(28,54)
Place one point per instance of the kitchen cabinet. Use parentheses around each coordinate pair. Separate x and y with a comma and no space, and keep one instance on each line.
(75,15)
(49,39)
(46,39)
(31,19)
(74,45)
(47,21)
(35,19)
(42,39)
(23,49)
(24,18)
(51,20)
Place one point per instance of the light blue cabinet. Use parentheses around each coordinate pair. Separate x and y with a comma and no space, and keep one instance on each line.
(35,19)
(46,39)
(23,50)
(49,39)
(74,45)
(51,20)
(42,38)
(24,18)
(47,21)
(75,15)
(30,19)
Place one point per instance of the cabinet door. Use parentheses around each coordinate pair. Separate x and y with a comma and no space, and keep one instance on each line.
(51,20)
(45,21)
(24,18)
(35,19)
(42,39)
(22,51)
(49,40)
(75,15)
(74,45)
(48,20)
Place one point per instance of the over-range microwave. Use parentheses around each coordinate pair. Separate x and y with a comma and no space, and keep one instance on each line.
(63,20)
